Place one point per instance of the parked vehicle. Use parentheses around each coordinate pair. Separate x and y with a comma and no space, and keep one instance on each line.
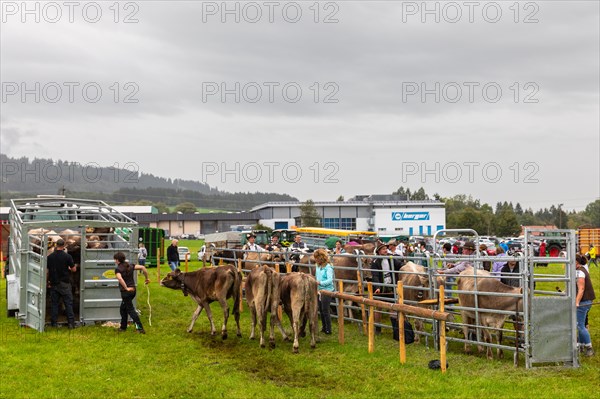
(262,237)
(183,252)
(286,236)
(201,253)
(492,239)
(154,240)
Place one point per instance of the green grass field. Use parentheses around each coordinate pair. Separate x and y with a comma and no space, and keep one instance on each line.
(167,362)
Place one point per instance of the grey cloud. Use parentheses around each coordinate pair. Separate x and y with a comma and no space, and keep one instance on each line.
(369,54)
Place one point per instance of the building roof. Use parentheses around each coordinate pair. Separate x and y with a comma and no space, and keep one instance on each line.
(238,216)
(137,209)
(280,204)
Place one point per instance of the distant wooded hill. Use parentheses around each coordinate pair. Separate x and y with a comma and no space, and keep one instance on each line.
(119,184)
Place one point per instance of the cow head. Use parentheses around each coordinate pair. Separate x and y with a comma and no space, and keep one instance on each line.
(366,263)
(174,281)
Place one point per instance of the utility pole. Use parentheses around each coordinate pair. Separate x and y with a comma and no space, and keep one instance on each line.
(560,216)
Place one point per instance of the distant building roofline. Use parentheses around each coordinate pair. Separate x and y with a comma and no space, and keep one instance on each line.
(277,204)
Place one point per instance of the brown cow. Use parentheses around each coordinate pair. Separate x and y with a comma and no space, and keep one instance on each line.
(412,276)
(345,268)
(227,255)
(36,239)
(98,230)
(254,259)
(490,321)
(299,299)
(302,263)
(367,247)
(208,285)
(262,295)
(95,242)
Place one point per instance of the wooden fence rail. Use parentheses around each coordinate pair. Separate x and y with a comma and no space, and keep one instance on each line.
(402,310)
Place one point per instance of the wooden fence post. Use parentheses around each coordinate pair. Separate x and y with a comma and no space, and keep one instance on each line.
(158,264)
(442,331)
(288,267)
(341,315)
(371,320)
(186,262)
(362,305)
(400,320)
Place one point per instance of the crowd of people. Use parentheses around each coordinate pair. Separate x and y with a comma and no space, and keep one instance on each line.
(391,257)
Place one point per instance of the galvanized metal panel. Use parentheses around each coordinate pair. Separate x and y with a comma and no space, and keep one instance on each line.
(35,291)
(100,295)
(551,330)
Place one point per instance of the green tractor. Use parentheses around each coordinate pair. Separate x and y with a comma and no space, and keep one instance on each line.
(553,246)
(262,237)
(286,237)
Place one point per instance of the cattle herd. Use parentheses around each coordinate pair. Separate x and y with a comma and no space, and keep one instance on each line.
(296,293)
(266,290)
(95,238)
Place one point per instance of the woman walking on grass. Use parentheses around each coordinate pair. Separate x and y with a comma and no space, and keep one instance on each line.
(125,275)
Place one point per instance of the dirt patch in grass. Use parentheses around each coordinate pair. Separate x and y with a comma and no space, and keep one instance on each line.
(266,364)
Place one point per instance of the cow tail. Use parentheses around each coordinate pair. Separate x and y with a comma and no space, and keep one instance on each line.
(237,282)
(269,274)
(306,287)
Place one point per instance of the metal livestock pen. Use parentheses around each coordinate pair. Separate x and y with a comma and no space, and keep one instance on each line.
(548,335)
(35,222)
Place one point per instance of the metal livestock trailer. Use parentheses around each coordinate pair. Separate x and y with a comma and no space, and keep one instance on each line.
(35,222)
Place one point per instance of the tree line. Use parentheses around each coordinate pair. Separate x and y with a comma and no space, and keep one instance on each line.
(45,176)
(506,218)
(118,185)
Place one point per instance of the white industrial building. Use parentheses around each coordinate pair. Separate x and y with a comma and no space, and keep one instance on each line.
(383,214)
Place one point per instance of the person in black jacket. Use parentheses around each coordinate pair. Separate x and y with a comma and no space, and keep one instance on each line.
(173,255)
(510,269)
(382,273)
(59,266)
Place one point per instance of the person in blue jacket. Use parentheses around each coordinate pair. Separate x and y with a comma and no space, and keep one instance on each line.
(324,275)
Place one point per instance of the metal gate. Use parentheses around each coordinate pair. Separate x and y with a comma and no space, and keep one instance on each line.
(100,297)
(552,327)
(35,284)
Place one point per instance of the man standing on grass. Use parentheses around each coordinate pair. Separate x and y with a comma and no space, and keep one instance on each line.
(60,263)
(173,255)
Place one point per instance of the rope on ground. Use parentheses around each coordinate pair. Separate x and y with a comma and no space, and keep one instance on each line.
(149,307)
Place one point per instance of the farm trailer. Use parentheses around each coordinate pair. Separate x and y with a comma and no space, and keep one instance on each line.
(96,293)
(588,237)
(153,239)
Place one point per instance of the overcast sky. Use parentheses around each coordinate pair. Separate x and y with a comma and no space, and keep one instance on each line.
(491,99)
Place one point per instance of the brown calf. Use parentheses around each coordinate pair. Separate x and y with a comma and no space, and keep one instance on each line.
(208,285)
(413,276)
(299,298)
(262,295)
(490,321)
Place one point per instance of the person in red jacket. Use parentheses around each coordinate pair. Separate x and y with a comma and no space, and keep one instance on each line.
(542,252)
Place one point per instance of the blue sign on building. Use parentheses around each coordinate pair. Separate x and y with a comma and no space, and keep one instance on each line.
(410,216)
